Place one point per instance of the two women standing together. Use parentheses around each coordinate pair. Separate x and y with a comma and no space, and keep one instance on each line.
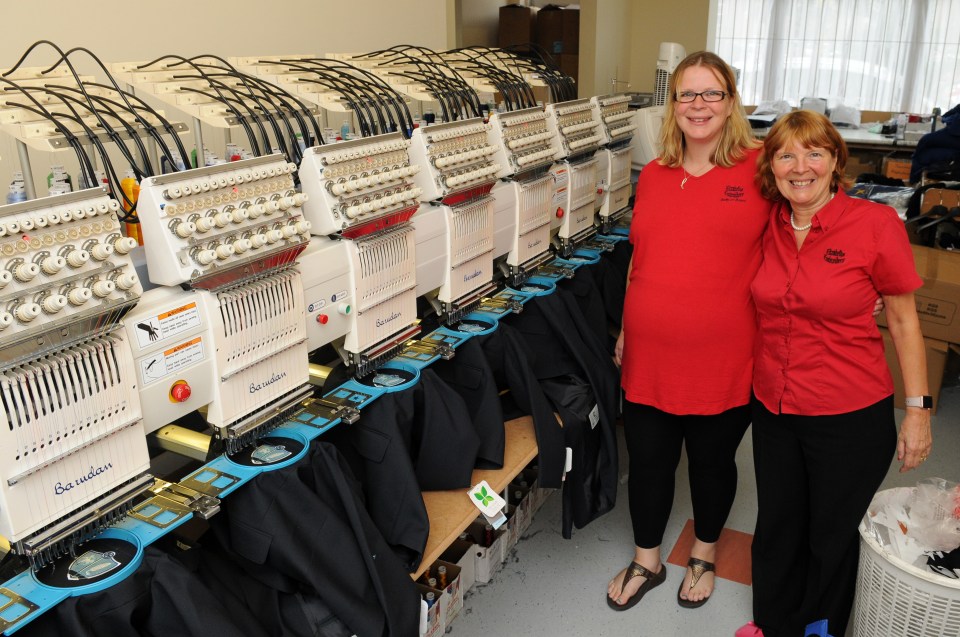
(750,298)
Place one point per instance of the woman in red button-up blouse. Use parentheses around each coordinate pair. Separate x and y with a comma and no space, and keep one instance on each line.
(823,422)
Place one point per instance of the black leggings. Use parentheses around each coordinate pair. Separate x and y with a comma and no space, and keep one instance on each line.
(654,439)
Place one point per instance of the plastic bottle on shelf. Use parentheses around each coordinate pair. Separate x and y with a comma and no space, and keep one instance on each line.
(58,175)
(17,193)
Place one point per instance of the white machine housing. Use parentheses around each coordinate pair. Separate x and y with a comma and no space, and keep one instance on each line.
(614,158)
(63,261)
(575,185)
(259,332)
(579,131)
(522,214)
(523,140)
(173,351)
(646,142)
(70,432)
(357,182)
(70,413)
(454,157)
(327,289)
(669,56)
(214,222)
(576,126)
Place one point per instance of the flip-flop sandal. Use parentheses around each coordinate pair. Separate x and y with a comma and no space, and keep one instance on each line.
(637,570)
(697,567)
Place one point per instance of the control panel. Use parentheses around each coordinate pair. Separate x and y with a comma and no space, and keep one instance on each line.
(325,267)
(173,354)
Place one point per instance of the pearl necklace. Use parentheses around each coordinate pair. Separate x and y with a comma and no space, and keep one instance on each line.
(793,224)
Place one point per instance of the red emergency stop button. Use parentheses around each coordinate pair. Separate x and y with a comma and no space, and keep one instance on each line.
(180,391)
(322,319)
(559,213)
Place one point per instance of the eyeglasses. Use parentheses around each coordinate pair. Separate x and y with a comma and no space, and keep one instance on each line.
(708,96)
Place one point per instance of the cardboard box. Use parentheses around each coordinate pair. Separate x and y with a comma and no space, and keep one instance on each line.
(461,554)
(434,615)
(896,168)
(558,30)
(488,559)
(451,602)
(857,166)
(517,26)
(937,352)
(938,301)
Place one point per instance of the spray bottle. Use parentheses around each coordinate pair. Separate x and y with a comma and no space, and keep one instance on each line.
(131,191)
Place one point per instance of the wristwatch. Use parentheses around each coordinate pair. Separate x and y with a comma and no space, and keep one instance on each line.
(923,402)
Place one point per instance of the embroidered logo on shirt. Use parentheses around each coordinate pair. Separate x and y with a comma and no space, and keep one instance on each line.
(733,193)
(834,256)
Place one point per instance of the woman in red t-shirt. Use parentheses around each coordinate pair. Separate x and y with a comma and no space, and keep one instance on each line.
(686,348)
(823,421)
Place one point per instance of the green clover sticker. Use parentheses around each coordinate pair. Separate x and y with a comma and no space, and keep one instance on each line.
(483,496)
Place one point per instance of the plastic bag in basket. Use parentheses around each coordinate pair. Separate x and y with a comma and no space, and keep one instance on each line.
(935,514)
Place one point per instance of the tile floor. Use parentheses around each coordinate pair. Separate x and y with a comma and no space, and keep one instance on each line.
(551,587)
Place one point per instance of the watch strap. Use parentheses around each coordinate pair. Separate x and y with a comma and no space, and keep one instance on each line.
(924,402)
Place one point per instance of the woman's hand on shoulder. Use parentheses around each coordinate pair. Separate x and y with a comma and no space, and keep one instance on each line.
(915,440)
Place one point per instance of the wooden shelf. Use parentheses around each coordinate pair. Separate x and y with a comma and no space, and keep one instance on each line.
(450,512)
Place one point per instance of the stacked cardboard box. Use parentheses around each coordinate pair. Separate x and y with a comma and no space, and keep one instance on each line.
(555,30)
(938,306)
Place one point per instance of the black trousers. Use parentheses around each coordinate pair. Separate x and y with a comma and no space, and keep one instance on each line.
(816,476)
(654,439)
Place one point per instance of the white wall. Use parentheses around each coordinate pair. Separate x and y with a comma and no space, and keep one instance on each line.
(604,46)
(123,31)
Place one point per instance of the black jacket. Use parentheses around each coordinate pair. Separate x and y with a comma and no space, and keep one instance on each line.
(567,349)
(304,528)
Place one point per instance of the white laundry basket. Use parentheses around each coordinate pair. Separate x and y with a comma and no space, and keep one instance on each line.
(897,599)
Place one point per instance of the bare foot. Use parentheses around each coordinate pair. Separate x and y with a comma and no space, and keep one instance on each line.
(648,558)
(704,587)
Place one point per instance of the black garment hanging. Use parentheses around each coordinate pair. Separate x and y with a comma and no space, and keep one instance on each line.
(304,527)
(610,274)
(409,441)
(469,374)
(509,358)
(590,302)
(159,599)
(440,436)
(293,613)
(565,348)
(584,493)
(378,457)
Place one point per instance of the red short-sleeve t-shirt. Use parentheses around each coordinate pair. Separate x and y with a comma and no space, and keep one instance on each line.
(689,321)
(819,350)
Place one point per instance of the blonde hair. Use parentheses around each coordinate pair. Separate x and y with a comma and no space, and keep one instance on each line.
(736,136)
(809,129)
